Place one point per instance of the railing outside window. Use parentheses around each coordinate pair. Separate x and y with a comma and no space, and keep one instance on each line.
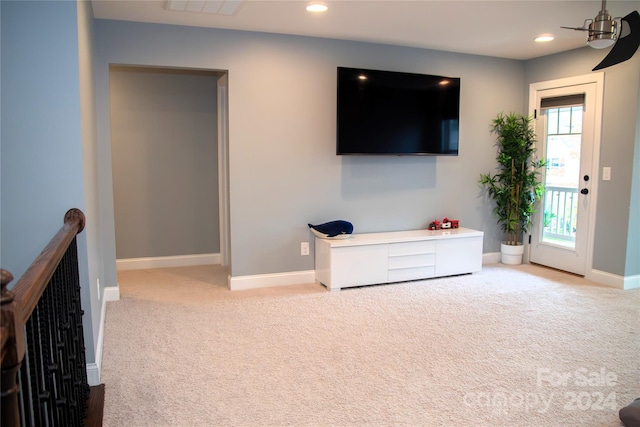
(560,215)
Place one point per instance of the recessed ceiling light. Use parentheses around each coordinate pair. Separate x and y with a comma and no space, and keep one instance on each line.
(362,77)
(317,6)
(544,38)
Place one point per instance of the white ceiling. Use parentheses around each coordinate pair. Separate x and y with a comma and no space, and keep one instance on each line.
(504,28)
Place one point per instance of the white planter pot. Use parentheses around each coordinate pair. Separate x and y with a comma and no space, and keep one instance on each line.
(512,254)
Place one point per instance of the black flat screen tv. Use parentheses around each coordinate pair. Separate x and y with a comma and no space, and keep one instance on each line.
(394,113)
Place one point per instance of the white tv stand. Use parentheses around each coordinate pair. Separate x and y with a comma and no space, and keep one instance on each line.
(376,258)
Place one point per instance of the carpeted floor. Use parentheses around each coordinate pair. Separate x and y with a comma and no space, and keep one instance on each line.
(509,346)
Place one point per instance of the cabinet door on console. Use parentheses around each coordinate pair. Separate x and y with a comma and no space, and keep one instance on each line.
(359,265)
(458,256)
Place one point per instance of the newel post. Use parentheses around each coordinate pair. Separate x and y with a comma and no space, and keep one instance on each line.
(13,350)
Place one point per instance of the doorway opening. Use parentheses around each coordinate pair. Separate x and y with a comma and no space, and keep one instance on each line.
(169,148)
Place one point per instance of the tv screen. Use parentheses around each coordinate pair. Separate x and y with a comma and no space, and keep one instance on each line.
(393,113)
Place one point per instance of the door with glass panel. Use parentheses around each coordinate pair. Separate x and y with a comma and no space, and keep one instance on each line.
(565,120)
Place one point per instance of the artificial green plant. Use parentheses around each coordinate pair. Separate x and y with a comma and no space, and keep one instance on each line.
(515,187)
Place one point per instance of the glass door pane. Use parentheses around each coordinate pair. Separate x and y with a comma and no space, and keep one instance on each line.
(562,177)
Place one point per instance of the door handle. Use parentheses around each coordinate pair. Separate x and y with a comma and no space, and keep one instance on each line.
(584,191)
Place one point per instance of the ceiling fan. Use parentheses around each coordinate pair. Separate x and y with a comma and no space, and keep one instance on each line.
(605,31)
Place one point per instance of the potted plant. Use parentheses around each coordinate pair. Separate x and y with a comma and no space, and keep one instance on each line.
(515,187)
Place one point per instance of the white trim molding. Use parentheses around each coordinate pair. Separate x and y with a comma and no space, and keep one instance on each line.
(631,282)
(615,281)
(166,261)
(93,374)
(269,280)
(223,169)
(490,258)
(110,293)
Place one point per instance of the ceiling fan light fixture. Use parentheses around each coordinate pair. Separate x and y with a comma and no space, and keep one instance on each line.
(601,43)
(602,31)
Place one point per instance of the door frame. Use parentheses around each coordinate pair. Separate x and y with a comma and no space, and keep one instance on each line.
(223,169)
(598,80)
(222,147)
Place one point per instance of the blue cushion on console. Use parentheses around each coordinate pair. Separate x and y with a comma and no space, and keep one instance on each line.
(339,229)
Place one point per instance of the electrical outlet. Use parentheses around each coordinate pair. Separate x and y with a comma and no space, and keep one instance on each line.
(304,248)
(98,286)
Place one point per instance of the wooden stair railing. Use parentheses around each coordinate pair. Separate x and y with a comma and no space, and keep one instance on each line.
(44,377)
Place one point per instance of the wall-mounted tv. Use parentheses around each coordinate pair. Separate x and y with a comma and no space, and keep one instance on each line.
(394,113)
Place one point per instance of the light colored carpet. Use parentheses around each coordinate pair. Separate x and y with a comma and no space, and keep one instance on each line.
(510,346)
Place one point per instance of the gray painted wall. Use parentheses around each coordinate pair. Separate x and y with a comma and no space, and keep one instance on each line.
(165,162)
(283,169)
(619,125)
(41,143)
(42,154)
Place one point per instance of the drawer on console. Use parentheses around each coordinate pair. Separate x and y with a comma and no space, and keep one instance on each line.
(403,274)
(406,261)
(410,248)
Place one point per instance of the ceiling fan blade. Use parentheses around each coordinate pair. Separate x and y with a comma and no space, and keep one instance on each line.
(585,26)
(587,29)
(575,28)
(626,46)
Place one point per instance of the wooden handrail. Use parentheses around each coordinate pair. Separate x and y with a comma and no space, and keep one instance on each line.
(33,282)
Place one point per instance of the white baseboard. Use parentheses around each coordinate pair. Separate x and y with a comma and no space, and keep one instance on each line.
(490,258)
(93,374)
(269,280)
(632,282)
(110,293)
(614,280)
(166,261)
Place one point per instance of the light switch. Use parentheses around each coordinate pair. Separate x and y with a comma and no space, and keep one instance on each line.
(606,173)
